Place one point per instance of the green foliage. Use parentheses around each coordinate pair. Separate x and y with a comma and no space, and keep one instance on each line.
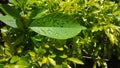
(59,33)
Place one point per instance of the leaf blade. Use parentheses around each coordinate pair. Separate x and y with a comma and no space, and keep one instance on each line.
(10,10)
(58,27)
(8,21)
(75,60)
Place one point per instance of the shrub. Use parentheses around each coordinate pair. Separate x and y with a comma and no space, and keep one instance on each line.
(59,33)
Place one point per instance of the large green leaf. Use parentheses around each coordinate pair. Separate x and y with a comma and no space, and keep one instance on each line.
(10,10)
(57,25)
(8,20)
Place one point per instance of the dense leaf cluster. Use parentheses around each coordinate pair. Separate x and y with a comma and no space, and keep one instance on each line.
(58,33)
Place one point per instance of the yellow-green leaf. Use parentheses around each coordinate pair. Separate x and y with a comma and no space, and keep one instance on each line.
(44,60)
(14,59)
(75,60)
(32,54)
(52,62)
(63,56)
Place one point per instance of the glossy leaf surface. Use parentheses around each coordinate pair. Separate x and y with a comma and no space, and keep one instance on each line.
(59,26)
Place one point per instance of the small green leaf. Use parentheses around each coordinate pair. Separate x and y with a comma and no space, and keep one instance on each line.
(47,46)
(63,56)
(22,62)
(60,48)
(75,60)
(4,31)
(32,54)
(2,49)
(98,63)
(58,66)
(41,13)
(117,12)
(52,62)
(94,65)
(40,63)
(44,60)
(112,38)
(8,21)
(14,59)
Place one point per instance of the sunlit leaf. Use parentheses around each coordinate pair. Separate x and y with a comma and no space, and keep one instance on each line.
(4,31)
(117,12)
(63,56)
(98,63)
(14,59)
(58,66)
(32,54)
(14,66)
(52,62)
(60,49)
(44,60)
(68,66)
(94,65)
(47,46)
(22,62)
(112,38)
(75,60)
(40,63)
